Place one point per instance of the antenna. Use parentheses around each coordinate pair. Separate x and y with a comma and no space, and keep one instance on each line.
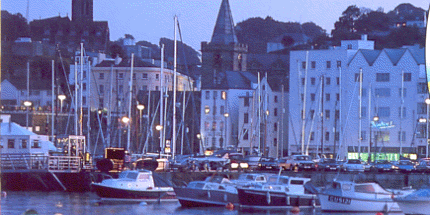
(28,11)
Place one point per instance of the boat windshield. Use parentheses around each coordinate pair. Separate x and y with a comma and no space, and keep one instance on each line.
(302,158)
(274,180)
(128,174)
(246,177)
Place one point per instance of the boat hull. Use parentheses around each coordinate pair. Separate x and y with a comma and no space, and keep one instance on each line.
(335,203)
(107,192)
(414,207)
(262,199)
(189,197)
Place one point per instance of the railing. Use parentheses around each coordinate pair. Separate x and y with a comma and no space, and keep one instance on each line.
(26,162)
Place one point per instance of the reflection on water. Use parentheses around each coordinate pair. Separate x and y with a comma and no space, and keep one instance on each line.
(63,203)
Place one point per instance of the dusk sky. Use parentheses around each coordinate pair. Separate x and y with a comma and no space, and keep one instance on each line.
(152,19)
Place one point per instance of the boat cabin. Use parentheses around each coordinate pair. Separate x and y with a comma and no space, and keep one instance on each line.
(250,178)
(286,184)
(359,190)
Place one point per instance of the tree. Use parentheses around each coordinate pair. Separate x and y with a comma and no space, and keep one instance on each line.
(345,27)
(13,26)
(116,50)
(287,41)
(129,36)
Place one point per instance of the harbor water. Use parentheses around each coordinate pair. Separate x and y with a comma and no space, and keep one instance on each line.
(68,203)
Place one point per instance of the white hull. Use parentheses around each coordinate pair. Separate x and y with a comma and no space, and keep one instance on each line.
(414,207)
(345,204)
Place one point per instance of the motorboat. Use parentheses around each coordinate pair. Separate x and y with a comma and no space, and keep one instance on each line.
(417,202)
(280,192)
(134,185)
(214,191)
(349,196)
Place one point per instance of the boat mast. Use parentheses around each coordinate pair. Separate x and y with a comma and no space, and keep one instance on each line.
(161,98)
(370,121)
(304,101)
(322,115)
(174,91)
(259,114)
(359,113)
(109,112)
(52,101)
(129,103)
(401,114)
(81,90)
(76,98)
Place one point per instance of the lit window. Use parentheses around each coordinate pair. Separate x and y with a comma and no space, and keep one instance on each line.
(207,109)
(223,95)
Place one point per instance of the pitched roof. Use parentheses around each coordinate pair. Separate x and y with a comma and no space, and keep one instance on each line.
(224,28)
(395,54)
(12,128)
(40,84)
(370,55)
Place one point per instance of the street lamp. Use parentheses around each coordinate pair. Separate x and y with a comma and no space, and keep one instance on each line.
(125,120)
(427,127)
(140,107)
(375,119)
(225,129)
(61,97)
(27,104)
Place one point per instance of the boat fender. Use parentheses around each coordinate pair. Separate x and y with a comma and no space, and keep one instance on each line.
(288,200)
(143,204)
(3,194)
(295,210)
(230,206)
(209,194)
(225,197)
(268,197)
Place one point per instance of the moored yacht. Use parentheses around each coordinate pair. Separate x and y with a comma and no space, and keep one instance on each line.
(133,185)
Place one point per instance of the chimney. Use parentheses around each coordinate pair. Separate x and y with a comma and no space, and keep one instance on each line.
(117,60)
(364,37)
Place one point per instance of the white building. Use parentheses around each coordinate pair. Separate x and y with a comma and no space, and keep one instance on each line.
(325,88)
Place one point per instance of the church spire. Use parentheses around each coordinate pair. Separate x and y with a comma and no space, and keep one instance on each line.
(224,27)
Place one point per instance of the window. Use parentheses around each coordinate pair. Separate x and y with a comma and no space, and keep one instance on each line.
(312,136)
(207,109)
(357,77)
(213,126)
(84,75)
(312,113)
(337,80)
(363,135)
(275,126)
(384,111)
(120,76)
(404,92)
(327,114)
(327,96)
(313,81)
(145,76)
(84,86)
(303,81)
(246,102)
(245,118)
(327,136)
(275,112)
(275,99)
(134,76)
(328,64)
(313,97)
(337,97)
(36,144)
(336,136)
(207,126)
(120,89)
(402,114)
(221,110)
(11,143)
(223,95)
(382,77)
(363,112)
(245,134)
(422,88)
(101,102)
(102,89)
(421,108)
(24,144)
(101,76)
(407,76)
(327,80)
(336,114)
(313,64)
(302,97)
(349,46)
(213,141)
(303,64)
(215,94)
(275,141)
(214,110)
(207,94)
(221,126)
(382,92)
(339,64)
(383,136)
(401,135)
(84,100)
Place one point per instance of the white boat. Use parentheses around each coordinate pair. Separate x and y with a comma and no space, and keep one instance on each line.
(347,196)
(417,202)
(133,185)
(280,192)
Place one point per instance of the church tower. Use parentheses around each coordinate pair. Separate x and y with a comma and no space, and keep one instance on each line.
(82,10)
(224,52)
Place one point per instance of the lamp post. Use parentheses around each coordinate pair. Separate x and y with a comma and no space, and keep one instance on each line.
(199,137)
(140,107)
(27,104)
(61,97)
(427,127)
(225,129)
(375,119)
